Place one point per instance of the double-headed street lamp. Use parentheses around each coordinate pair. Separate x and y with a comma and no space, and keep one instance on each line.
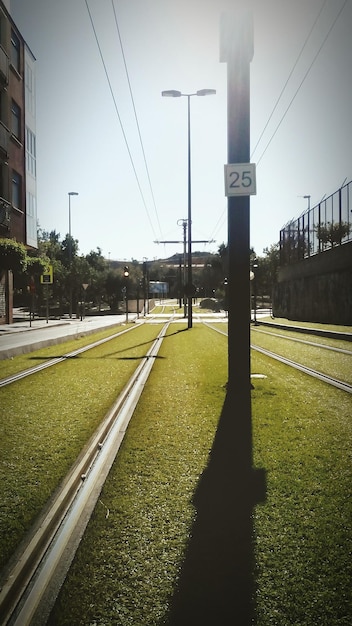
(172,93)
(70,193)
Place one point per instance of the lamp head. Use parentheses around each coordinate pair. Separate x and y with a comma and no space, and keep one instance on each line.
(171,93)
(206,92)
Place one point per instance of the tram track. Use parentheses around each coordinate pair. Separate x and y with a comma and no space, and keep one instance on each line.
(306,370)
(299,366)
(29,586)
(59,359)
(304,341)
(80,490)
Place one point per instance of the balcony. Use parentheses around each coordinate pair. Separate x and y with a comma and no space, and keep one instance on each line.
(5,212)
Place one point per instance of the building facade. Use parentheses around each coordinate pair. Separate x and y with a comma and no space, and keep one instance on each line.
(18,197)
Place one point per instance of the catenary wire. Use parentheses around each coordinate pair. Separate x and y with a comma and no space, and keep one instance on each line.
(302,81)
(135,115)
(222,217)
(218,224)
(119,117)
(288,78)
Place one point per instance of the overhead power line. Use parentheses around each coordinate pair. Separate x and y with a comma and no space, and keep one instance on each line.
(288,78)
(135,114)
(302,81)
(118,115)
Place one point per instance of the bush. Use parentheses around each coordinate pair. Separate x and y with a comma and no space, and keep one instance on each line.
(210,303)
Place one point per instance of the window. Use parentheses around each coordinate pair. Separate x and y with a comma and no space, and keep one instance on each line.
(30,89)
(16,120)
(16,190)
(15,51)
(30,152)
(31,220)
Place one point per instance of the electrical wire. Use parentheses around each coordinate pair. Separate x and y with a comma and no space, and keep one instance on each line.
(302,81)
(288,78)
(135,115)
(218,224)
(222,217)
(119,117)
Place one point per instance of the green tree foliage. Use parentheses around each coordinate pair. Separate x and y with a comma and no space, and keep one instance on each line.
(332,234)
(105,282)
(13,256)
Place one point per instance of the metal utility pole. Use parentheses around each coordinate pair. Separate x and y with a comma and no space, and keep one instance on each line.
(237,52)
(216,584)
(184,226)
(173,93)
(70,193)
(186,283)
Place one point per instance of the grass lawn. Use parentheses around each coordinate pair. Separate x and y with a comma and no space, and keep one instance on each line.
(46,420)
(129,560)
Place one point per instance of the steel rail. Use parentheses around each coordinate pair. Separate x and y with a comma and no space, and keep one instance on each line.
(309,343)
(54,361)
(307,370)
(27,584)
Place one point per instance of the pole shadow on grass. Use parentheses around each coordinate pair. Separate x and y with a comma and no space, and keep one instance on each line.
(83,354)
(216,584)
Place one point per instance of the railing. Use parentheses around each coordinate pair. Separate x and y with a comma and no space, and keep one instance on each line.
(324,226)
(5,212)
(4,140)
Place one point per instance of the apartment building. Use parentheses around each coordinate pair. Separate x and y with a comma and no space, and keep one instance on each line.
(18,204)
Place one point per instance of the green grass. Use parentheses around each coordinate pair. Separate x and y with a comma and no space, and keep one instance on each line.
(128,562)
(329,362)
(46,419)
(15,364)
(283,320)
(303,536)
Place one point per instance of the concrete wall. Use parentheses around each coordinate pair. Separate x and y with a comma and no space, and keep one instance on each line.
(318,289)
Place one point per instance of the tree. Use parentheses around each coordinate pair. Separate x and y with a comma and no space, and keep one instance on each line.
(332,234)
(98,265)
(13,256)
(268,270)
(114,284)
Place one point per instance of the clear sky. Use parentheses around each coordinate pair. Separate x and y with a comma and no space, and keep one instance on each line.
(134,192)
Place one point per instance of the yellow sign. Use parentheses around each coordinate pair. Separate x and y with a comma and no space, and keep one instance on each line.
(48,277)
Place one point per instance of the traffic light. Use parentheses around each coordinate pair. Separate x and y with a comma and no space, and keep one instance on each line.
(126,271)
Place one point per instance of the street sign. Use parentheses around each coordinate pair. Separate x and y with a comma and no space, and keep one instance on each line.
(240,179)
(47,278)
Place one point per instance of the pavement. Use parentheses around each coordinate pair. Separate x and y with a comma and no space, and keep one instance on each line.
(24,336)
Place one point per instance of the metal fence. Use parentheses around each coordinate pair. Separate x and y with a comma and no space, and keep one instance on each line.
(324,226)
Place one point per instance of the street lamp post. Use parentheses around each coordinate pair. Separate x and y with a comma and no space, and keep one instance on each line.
(173,93)
(70,193)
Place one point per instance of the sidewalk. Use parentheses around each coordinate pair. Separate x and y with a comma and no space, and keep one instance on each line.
(23,336)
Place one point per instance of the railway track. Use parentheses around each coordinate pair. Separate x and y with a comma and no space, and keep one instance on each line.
(306,370)
(304,341)
(29,589)
(344,386)
(54,361)
(31,585)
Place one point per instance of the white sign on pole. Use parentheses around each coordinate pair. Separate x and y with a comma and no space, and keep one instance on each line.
(240,179)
